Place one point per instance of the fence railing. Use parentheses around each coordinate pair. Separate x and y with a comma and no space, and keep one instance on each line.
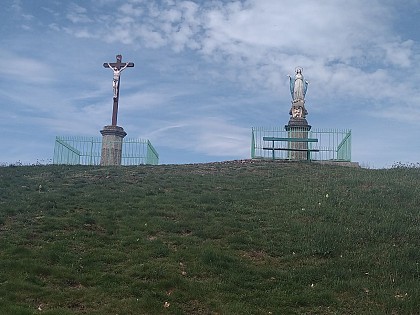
(87,151)
(332,144)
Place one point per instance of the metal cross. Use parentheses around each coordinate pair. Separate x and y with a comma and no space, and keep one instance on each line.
(117,67)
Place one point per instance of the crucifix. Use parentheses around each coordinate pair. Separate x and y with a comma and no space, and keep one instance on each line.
(117,68)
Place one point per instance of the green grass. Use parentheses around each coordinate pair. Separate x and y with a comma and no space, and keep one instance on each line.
(258,237)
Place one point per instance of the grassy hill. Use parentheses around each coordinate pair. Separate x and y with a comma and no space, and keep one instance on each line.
(248,237)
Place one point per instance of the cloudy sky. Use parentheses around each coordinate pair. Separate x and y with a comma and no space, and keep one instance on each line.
(207,71)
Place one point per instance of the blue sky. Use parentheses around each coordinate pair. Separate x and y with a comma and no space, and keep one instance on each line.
(207,71)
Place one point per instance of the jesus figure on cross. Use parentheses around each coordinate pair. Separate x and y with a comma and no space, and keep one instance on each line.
(116,79)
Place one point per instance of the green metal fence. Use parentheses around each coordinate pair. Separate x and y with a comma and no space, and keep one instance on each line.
(332,144)
(87,151)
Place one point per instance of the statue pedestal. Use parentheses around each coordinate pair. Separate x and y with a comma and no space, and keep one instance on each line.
(298,128)
(112,140)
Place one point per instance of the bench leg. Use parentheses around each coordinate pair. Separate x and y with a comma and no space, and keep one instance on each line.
(274,155)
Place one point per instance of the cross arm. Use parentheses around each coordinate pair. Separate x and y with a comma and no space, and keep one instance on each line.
(120,65)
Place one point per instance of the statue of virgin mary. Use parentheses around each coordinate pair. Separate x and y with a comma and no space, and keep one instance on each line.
(298,86)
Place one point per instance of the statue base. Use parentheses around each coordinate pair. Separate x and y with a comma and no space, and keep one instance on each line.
(298,128)
(112,140)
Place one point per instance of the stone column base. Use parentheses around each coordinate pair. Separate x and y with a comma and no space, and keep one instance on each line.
(112,140)
(298,128)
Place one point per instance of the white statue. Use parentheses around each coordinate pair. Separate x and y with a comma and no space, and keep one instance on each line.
(116,79)
(298,86)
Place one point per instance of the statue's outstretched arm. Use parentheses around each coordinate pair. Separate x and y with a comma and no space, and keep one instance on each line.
(126,65)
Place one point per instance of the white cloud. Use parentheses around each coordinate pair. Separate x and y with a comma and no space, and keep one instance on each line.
(82,33)
(25,69)
(213,136)
(399,54)
(146,99)
(77,14)
(152,38)
(129,10)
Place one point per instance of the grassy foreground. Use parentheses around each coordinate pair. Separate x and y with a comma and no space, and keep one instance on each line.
(247,237)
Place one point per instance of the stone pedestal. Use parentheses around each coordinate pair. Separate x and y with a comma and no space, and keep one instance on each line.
(298,128)
(112,140)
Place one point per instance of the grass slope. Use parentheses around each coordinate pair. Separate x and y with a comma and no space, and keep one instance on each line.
(248,237)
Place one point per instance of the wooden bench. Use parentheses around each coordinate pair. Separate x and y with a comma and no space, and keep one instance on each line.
(307,140)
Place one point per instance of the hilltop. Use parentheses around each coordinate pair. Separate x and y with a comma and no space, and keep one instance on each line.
(241,237)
